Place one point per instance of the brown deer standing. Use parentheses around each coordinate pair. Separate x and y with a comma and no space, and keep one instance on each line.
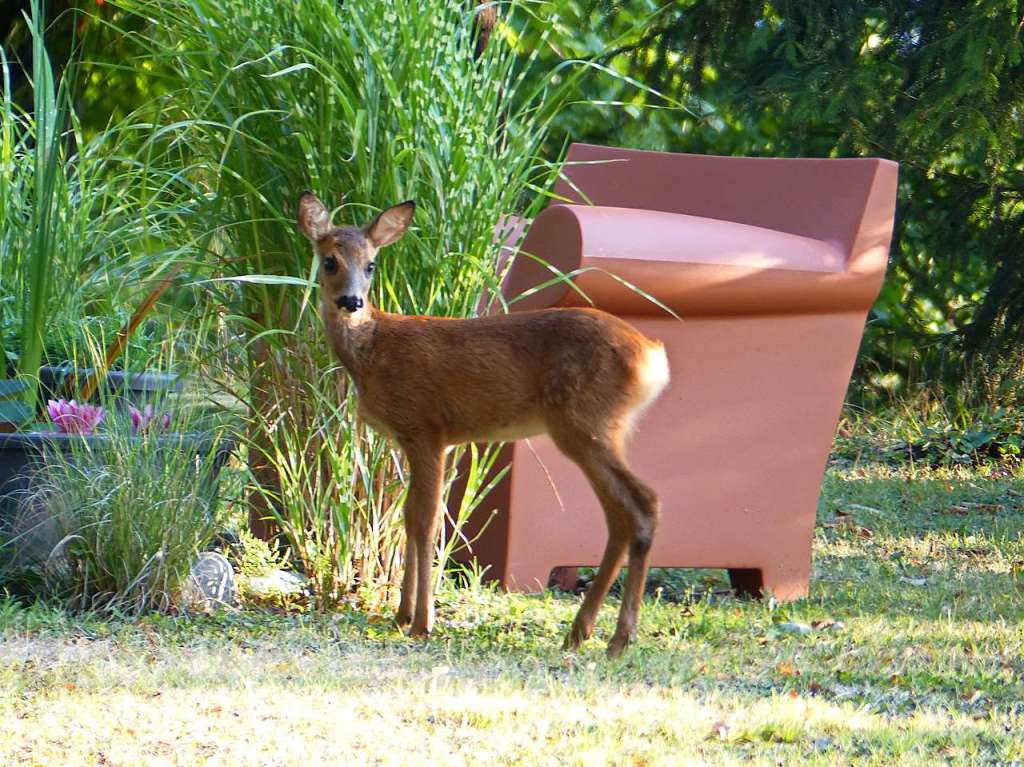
(580,375)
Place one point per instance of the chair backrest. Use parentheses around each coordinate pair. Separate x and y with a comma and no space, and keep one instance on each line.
(847,202)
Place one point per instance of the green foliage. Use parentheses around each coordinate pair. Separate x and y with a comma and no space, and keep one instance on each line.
(85,222)
(935,431)
(29,192)
(947,444)
(253,557)
(378,102)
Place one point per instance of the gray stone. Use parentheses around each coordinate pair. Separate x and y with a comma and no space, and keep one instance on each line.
(822,744)
(795,628)
(276,583)
(211,582)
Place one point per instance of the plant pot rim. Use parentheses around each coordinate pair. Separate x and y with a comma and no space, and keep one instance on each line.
(144,381)
(38,440)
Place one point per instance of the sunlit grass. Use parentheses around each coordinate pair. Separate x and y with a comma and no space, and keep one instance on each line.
(915,659)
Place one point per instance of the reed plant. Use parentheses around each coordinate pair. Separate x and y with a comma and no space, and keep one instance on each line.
(87,222)
(379,101)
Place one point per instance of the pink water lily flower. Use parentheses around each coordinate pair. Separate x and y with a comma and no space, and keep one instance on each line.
(146,419)
(73,418)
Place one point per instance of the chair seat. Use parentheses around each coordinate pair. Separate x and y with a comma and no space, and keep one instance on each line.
(676,237)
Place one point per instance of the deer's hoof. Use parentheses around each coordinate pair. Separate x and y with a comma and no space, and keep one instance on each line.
(403,620)
(421,632)
(578,634)
(617,645)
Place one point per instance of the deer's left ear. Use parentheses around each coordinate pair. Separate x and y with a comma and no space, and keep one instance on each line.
(390,224)
(314,218)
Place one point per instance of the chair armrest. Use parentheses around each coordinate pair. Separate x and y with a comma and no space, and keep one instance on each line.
(693,265)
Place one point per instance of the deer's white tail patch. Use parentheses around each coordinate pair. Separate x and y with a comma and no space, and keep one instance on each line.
(653,374)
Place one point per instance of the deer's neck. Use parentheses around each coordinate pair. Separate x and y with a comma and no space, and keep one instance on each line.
(352,337)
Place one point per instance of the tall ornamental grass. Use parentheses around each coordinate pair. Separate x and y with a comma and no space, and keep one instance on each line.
(85,221)
(379,101)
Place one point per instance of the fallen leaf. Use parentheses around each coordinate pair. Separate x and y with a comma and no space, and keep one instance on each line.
(823,624)
(985,508)
(786,669)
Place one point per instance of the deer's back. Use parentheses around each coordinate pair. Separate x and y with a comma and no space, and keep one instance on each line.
(500,377)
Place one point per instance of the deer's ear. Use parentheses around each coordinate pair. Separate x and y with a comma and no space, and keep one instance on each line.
(390,224)
(314,218)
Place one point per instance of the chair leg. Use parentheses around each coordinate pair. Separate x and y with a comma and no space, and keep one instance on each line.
(784,581)
(746,582)
(564,578)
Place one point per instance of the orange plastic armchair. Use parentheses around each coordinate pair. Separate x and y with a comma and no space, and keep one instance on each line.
(771,266)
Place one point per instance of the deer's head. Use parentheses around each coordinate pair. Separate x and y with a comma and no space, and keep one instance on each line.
(347,253)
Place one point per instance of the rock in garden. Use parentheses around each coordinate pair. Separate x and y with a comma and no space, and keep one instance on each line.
(795,628)
(211,583)
(277,583)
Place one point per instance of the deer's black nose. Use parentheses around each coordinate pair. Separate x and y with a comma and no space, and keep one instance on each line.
(349,303)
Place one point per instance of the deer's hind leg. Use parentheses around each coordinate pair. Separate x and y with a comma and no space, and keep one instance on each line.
(631,513)
(644,511)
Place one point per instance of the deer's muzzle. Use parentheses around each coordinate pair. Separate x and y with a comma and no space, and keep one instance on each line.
(349,303)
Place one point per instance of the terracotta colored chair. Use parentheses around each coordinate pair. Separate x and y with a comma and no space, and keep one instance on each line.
(772,265)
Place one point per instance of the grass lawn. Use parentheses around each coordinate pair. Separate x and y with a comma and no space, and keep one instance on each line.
(914,656)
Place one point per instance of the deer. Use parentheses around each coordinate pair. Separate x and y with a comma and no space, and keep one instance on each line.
(579,375)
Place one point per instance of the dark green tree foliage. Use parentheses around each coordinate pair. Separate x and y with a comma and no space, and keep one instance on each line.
(934,84)
(113,77)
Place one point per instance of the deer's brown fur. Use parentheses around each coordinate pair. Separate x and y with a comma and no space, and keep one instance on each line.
(580,375)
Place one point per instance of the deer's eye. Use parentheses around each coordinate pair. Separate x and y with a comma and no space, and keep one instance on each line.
(330,264)
(370,267)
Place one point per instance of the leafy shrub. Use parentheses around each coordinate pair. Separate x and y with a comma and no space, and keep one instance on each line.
(84,219)
(936,432)
(995,435)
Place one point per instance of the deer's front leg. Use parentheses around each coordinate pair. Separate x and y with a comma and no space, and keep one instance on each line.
(422,509)
(407,606)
